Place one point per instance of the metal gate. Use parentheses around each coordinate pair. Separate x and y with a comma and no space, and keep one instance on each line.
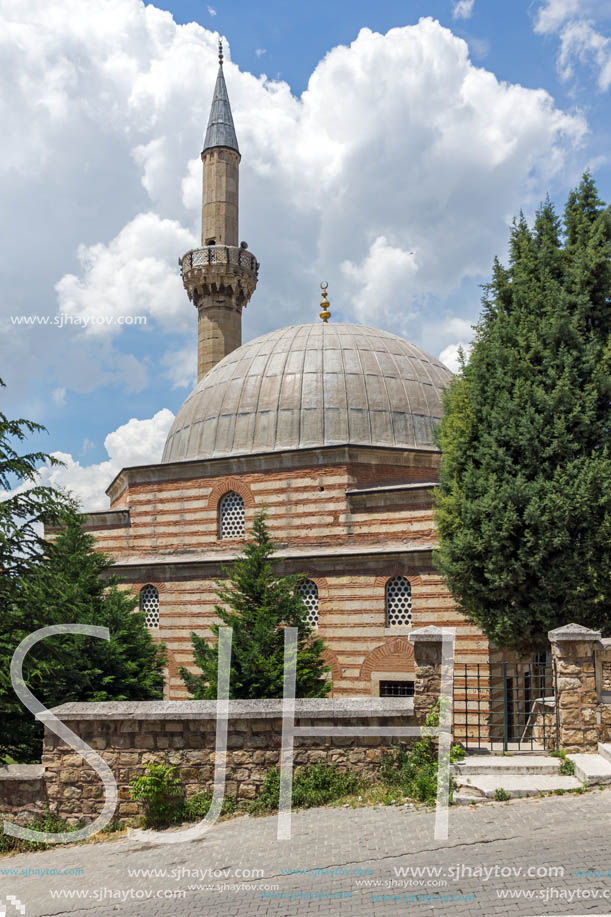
(505,706)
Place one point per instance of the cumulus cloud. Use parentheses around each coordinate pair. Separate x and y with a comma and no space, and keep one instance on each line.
(450,355)
(132,277)
(383,271)
(393,176)
(463,9)
(137,442)
(575,22)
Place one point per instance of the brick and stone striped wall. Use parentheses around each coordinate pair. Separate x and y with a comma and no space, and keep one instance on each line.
(348,518)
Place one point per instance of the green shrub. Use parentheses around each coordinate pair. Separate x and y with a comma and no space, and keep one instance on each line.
(501,795)
(567,767)
(46,822)
(415,771)
(163,796)
(313,785)
(196,807)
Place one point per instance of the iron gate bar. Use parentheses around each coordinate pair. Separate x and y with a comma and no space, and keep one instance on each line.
(505,705)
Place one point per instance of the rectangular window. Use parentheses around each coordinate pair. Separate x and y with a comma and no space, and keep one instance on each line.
(396,689)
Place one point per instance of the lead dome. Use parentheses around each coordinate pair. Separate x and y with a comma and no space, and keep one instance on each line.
(308,386)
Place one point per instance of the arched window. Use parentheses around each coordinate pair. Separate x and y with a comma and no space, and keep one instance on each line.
(398,602)
(149,604)
(231,516)
(308,590)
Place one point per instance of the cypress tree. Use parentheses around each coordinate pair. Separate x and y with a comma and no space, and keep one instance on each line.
(524,509)
(64,585)
(257,604)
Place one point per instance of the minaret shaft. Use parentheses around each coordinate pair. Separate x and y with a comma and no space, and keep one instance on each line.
(220,277)
(220,201)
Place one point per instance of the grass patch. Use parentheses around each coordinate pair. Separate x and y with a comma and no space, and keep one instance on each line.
(197,807)
(415,771)
(567,767)
(46,822)
(313,785)
(501,795)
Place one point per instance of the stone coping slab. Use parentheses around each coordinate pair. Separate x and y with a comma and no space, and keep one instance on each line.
(312,708)
(22,772)
(430,634)
(573,632)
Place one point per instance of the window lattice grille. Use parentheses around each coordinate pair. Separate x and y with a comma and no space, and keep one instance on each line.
(398,602)
(231,516)
(149,604)
(308,590)
(396,689)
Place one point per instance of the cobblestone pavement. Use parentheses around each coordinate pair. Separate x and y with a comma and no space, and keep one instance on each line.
(342,849)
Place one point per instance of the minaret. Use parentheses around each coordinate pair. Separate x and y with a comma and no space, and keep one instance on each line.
(220,277)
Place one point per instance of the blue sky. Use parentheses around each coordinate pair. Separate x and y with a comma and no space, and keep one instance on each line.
(385,148)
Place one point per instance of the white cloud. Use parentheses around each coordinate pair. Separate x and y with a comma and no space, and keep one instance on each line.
(450,355)
(180,365)
(384,269)
(580,41)
(575,22)
(59,396)
(260,52)
(133,276)
(463,9)
(211,11)
(399,144)
(553,13)
(137,442)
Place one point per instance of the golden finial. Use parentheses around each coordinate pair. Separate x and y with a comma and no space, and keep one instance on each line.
(324,303)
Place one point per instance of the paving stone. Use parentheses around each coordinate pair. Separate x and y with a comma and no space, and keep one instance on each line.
(569,833)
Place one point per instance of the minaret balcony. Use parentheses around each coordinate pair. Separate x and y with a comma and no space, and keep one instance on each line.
(218,254)
(215,269)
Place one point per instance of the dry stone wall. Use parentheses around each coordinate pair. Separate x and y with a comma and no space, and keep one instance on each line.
(128,736)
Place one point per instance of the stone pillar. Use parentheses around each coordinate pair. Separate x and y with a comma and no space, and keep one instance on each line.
(573,652)
(427,675)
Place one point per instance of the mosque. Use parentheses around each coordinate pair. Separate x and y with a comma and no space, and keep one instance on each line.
(328,427)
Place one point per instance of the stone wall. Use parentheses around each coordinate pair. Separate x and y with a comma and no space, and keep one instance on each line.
(128,736)
(22,791)
(582,696)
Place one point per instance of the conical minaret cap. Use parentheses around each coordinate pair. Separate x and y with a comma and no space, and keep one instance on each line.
(220,130)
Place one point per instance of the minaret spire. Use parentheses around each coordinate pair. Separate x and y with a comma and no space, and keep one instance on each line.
(220,130)
(220,277)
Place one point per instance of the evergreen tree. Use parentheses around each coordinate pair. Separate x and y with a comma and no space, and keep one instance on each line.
(25,503)
(65,585)
(524,510)
(257,604)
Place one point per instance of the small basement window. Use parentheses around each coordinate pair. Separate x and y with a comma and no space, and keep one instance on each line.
(396,689)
